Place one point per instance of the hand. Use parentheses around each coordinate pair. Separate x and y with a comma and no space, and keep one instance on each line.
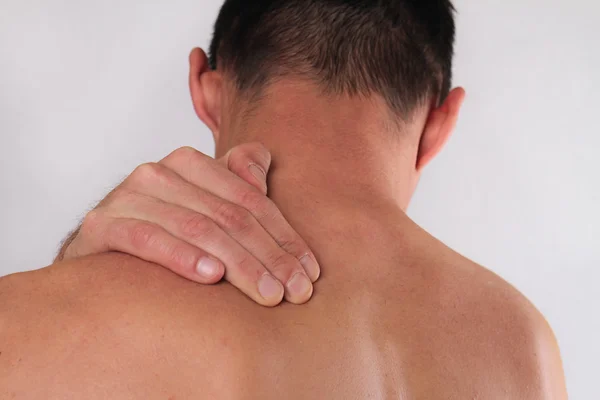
(204,219)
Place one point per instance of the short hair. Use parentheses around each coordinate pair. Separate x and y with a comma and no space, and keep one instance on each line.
(399,49)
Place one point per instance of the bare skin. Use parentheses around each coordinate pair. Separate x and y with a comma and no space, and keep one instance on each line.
(203,219)
(395,314)
(417,321)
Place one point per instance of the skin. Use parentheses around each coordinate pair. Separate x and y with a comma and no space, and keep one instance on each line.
(396,314)
(205,220)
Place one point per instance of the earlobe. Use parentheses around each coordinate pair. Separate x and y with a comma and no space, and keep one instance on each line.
(205,88)
(439,127)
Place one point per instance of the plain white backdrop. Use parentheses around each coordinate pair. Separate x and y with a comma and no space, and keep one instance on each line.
(90,89)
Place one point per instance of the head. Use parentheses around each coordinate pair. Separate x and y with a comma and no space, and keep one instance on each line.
(391,58)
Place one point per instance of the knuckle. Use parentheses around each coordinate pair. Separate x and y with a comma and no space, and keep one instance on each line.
(254,201)
(184,152)
(179,258)
(292,245)
(185,155)
(91,218)
(91,222)
(237,161)
(248,267)
(149,172)
(282,262)
(140,235)
(233,218)
(197,226)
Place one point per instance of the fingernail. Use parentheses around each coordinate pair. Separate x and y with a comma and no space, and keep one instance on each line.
(311,267)
(270,288)
(299,285)
(258,173)
(208,268)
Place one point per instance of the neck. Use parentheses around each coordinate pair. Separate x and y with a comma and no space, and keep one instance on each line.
(331,162)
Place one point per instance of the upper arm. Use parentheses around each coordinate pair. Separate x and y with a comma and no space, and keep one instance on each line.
(24,314)
(537,364)
(549,364)
(527,352)
(529,345)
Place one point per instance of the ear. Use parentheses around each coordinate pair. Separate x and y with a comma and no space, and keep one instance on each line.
(439,127)
(205,88)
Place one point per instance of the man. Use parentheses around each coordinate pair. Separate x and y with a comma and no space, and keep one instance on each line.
(352,99)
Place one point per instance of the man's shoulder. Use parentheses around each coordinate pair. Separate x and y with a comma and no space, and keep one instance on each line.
(529,345)
(110,283)
(20,293)
(476,318)
(99,319)
(504,326)
(24,308)
(68,286)
(116,295)
(471,289)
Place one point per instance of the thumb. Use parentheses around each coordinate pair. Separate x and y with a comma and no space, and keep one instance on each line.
(251,162)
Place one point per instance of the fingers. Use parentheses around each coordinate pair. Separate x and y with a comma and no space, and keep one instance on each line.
(151,243)
(201,171)
(204,220)
(243,270)
(251,162)
(201,208)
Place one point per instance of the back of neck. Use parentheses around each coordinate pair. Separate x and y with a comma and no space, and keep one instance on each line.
(338,174)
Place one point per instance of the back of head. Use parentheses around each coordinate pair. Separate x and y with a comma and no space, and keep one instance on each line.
(400,50)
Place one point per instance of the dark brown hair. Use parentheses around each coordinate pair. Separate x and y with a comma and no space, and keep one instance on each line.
(399,49)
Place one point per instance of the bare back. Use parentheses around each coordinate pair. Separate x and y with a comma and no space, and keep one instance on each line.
(435,326)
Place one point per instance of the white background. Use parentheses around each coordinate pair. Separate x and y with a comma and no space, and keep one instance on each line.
(90,89)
